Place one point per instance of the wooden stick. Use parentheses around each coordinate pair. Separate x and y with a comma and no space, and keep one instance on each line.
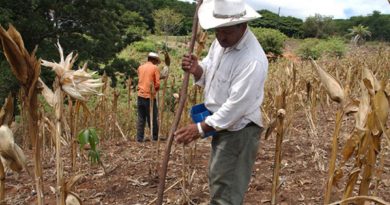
(151,110)
(169,188)
(182,100)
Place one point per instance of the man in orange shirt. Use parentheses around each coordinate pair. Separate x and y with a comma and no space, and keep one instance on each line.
(148,75)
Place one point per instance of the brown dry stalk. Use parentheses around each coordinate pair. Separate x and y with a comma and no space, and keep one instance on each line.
(182,100)
(162,106)
(332,162)
(278,154)
(26,69)
(60,191)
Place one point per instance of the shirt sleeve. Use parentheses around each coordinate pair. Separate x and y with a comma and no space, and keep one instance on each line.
(243,95)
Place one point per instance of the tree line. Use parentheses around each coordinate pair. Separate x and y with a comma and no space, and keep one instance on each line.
(321,26)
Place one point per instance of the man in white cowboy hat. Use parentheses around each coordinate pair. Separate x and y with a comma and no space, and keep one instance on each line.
(148,73)
(233,75)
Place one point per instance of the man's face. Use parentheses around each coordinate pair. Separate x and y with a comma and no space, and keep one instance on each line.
(230,35)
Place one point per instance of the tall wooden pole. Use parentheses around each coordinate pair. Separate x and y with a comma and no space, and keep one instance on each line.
(182,100)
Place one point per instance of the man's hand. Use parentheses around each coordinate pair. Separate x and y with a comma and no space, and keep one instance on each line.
(187,134)
(189,63)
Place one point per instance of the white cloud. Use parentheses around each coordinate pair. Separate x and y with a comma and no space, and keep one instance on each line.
(336,8)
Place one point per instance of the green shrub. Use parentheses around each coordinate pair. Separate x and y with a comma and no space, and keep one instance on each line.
(309,48)
(316,48)
(334,47)
(144,46)
(271,40)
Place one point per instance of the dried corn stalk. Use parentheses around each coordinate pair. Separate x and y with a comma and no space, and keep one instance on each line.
(26,69)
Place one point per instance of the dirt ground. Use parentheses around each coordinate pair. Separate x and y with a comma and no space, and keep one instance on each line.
(132,176)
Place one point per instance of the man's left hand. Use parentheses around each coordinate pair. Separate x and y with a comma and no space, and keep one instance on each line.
(187,134)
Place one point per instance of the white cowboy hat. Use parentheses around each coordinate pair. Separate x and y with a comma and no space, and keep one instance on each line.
(221,13)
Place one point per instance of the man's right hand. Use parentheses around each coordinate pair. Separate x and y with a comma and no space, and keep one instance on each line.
(189,63)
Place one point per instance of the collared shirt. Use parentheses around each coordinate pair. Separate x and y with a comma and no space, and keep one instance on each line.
(148,74)
(233,80)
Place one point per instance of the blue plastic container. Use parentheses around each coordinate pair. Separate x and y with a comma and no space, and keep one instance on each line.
(199,113)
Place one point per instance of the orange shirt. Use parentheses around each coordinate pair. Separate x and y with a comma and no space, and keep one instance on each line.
(148,73)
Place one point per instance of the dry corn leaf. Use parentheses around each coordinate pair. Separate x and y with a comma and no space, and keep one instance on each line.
(271,128)
(7,111)
(71,182)
(353,176)
(332,87)
(351,107)
(14,56)
(381,106)
(364,108)
(367,172)
(47,93)
(350,145)
(338,175)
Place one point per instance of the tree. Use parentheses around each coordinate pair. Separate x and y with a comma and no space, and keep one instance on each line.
(318,26)
(167,21)
(290,26)
(96,29)
(359,34)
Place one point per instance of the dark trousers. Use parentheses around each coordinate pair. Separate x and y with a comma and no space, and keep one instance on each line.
(143,105)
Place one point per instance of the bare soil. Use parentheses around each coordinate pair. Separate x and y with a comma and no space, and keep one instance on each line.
(132,176)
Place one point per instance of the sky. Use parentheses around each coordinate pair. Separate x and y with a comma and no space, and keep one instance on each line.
(339,9)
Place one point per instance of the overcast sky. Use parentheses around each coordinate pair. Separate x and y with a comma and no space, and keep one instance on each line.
(336,8)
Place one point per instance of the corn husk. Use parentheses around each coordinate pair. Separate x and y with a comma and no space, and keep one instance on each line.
(79,84)
(73,199)
(11,153)
(333,88)
(367,74)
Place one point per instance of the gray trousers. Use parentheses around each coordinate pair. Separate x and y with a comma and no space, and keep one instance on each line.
(230,167)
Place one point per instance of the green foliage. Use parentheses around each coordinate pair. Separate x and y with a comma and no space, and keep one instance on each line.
(8,82)
(290,26)
(316,48)
(271,40)
(127,67)
(89,136)
(144,46)
(378,24)
(318,26)
(167,21)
